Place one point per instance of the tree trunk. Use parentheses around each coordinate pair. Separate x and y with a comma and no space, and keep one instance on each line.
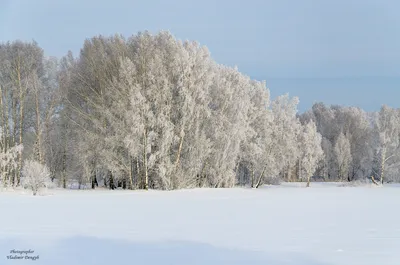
(38,127)
(13,173)
(93,177)
(7,128)
(146,176)
(5,118)
(299,172)
(202,177)
(252,177)
(138,178)
(37,151)
(64,168)
(130,173)
(124,184)
(383,158)
(4,135)
(236,173)
(21,134)
(14,118)
(374,181)
(2,119)
(308,180)
(111,180)
(178,156)
(260,178)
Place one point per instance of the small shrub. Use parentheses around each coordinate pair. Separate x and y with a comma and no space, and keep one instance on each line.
(35,176)
(357,183)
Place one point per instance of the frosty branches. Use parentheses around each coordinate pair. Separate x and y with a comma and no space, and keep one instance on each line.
(151,111)
(35,176)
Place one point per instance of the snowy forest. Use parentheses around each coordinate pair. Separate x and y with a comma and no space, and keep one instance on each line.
(154,112)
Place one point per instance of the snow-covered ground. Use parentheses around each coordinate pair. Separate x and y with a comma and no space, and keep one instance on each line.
(289,224)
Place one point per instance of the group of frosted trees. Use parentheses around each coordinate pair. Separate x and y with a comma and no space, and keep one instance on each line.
(357,144)
(28,98)
(155,112)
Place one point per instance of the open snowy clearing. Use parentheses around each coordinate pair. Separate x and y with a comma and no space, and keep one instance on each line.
(286,224)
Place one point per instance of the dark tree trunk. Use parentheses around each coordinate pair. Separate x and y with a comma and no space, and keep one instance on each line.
(94,181)
(94,177)
(111,181)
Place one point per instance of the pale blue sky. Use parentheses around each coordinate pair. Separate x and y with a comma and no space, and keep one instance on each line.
(266,39)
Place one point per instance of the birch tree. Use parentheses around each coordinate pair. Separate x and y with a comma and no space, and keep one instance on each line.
(331,121)
(387,129)
(88,78)
(8,162)
(343,155)
(354,123)
(229,107)
(192,78)
(287,127)
(311,151)
(258,153)
(22,67)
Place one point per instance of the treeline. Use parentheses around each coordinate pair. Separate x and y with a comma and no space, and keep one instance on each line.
(155,112)
(357,144)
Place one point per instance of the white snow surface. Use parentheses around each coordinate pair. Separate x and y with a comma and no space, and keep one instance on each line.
(280,225)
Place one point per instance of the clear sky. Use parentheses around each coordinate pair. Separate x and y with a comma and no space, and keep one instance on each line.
(266,39)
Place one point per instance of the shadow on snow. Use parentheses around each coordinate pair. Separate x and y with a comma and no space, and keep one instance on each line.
(96,251)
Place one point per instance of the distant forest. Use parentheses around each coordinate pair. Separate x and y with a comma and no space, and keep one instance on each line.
(154,112)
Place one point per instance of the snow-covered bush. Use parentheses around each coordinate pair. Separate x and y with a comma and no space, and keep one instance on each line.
(358,183)
(35,176)
(8,163)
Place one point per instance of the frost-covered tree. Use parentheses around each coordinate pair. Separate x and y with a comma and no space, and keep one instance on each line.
(36,176)
(387,126)
(342,153)
(163,88)
(192,77)
(227,124)
(324,117)
(84,84)
(255,160)
(8,163)
(311,151)
(21,70)
(287,128)
(355,124)
(271,148)
(326,169)
(331,121)
(155,112)
(141,123)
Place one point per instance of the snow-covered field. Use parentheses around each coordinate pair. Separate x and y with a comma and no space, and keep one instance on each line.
(288,224)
